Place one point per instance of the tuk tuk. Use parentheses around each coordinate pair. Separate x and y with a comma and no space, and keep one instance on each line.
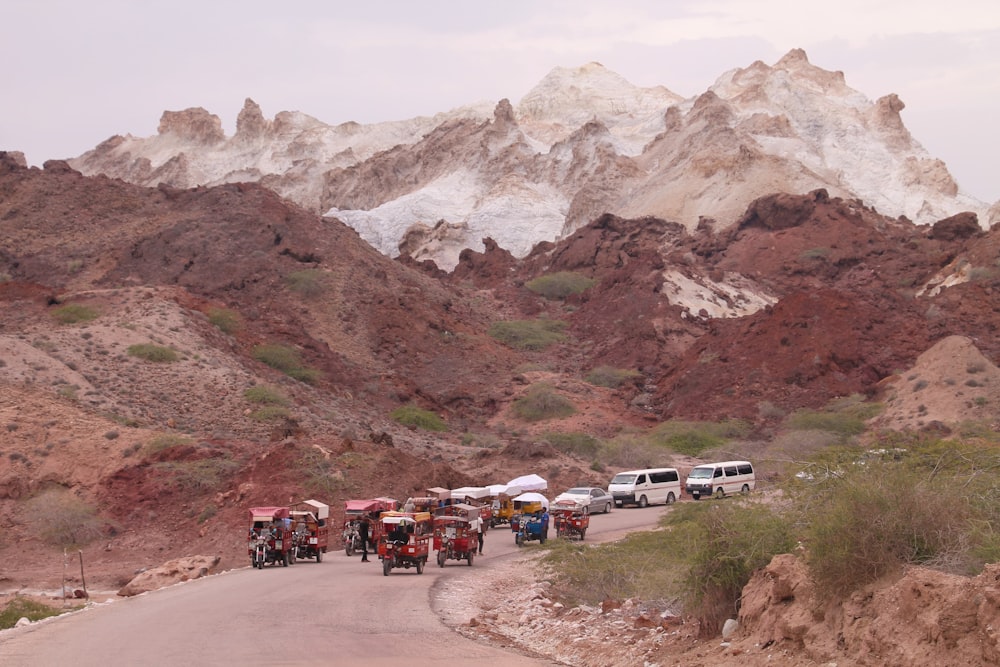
(477,496)
(501,503)
(269,541)
(531,518)
(354,512)
(404,540)
(310,529)
(571,519)
(454,539)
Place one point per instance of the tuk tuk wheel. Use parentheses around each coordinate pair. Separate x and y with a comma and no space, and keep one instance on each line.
(519,539)
(292,557)
(441,559)
(582,533)
(284,559)
(420,566)
(470,558)
(319,555)
(386,567)
(349,549)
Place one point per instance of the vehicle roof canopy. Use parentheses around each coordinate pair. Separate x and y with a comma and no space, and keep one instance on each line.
(404,517)
(268,513)
(320,510)
(362,505)
(476,492)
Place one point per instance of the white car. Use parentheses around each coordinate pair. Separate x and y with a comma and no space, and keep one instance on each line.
(595,498)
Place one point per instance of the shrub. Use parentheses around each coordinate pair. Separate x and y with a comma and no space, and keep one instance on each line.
(542,402)
(63,520)
(577,444)
(560,285)
(693,438)
(228,321)
(609,376)
(411,415)
(164,442)
(21,607)
(265,394)
(529,334)
(72,313)
(198,476)
(150,352)
(316,470)
(270,413)
(287,360)
(307,282)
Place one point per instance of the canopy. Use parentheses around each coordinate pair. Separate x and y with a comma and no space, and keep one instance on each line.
(362,505)
(503,489)
(529,483)
(532,497)
(476,492)
(268,513)
(439,492)
(320,510)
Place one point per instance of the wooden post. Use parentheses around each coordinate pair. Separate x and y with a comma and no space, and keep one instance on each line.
(65,565)
(82,579)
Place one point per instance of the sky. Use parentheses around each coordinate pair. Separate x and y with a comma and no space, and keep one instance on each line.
(75,73)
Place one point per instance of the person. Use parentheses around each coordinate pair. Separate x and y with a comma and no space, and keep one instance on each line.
(363,536)
(478,523)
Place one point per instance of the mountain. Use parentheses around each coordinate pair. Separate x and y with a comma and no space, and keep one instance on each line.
(582,142)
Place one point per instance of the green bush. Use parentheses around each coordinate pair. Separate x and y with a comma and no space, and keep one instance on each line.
(164,442)
(269,413)
(693,438)
(529,334)
(611,377)
(22,607)
(72,313)
(287,360)
(576,444)
(560,285)
(308,282)
(265,394)
(411,415)
(228,321)
(542,402)
(150,352)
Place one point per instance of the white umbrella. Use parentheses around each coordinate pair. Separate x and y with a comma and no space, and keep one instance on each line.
(529,483)
(532,497)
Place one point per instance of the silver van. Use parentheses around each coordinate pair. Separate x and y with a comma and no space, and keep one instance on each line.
(644,487)
(720,479)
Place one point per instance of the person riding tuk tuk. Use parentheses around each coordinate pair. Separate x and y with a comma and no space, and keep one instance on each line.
(454,538)
(405,540)
(571,518)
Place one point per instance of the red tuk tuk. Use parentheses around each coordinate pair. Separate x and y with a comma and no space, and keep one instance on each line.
(354,512)
(270,538)
(404,540)
(311,532)
(477,496)
(571,518)
(454,539)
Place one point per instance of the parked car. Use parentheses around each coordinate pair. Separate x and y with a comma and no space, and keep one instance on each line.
(595,498)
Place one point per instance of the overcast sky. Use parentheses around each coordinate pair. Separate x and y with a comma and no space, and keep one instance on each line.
(76,72)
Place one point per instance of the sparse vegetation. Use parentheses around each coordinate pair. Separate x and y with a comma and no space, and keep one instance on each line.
(542,402)
(74,313)
(269,413)
(63,520)
(287,360)
(611,377)
(164,442)
(529,334)
(578,444)
(560,285)
(816,253)
(21,607)
(154,353)
(411,415)
(226,320)
(693,438)
(266,395)
(308,282)
(200,475)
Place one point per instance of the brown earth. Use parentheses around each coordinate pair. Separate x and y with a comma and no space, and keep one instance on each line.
(862,304)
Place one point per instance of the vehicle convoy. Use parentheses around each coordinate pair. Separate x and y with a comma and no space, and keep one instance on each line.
(646,487)
(310,529)
(572,518)
(720,479)
(270,538)
(404,540)
(595,498)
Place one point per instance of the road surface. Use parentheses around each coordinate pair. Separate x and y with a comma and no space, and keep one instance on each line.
(337,612)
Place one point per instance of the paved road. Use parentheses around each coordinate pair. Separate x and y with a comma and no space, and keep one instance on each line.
(338,612)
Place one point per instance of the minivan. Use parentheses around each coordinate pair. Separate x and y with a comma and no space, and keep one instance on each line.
(720,479)
(643,487)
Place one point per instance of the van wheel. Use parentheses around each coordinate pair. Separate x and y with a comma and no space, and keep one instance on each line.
(745,490)
(670,498)
(643,502)
(720,493)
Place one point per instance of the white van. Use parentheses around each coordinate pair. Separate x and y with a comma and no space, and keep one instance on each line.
(720,479)
(643,487)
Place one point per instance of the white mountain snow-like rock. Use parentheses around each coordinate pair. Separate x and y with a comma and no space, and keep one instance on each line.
(582,142)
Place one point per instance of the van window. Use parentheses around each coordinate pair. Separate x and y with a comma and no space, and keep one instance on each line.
(641,480)
(663,476)
(745,469)
(730,471)
(718,472)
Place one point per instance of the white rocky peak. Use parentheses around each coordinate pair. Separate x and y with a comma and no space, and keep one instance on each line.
(582,142)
